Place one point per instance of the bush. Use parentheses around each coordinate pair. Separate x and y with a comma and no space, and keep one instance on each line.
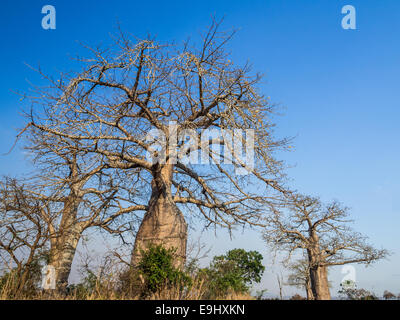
(233,272)
(158,271)
(357,294)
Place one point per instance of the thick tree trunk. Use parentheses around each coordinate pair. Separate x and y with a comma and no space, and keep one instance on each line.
(163,223)
(64,244)
(63,257)
(309,292)
(319,283)
(318,272)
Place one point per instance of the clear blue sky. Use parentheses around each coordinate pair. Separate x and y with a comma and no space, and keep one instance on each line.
(340,90)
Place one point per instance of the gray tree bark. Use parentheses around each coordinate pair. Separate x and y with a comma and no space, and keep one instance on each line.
(309,292)
(163,223)
(318,273)
(64,244)
(319,283)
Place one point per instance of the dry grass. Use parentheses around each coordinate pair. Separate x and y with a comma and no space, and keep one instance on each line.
(197,291)
(105,291)
(115,284)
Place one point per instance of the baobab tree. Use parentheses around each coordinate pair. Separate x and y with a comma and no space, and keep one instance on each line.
(80,191)
(24,234)
(320,231)
(140,93)
(300,277)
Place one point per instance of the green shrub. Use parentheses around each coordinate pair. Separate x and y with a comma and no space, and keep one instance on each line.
(158,271)
(233,272)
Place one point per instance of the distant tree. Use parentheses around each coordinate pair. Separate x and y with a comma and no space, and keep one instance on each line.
(260,294)
(322,233)
(387,295)
(357,294)
(24,235)
(300,277)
